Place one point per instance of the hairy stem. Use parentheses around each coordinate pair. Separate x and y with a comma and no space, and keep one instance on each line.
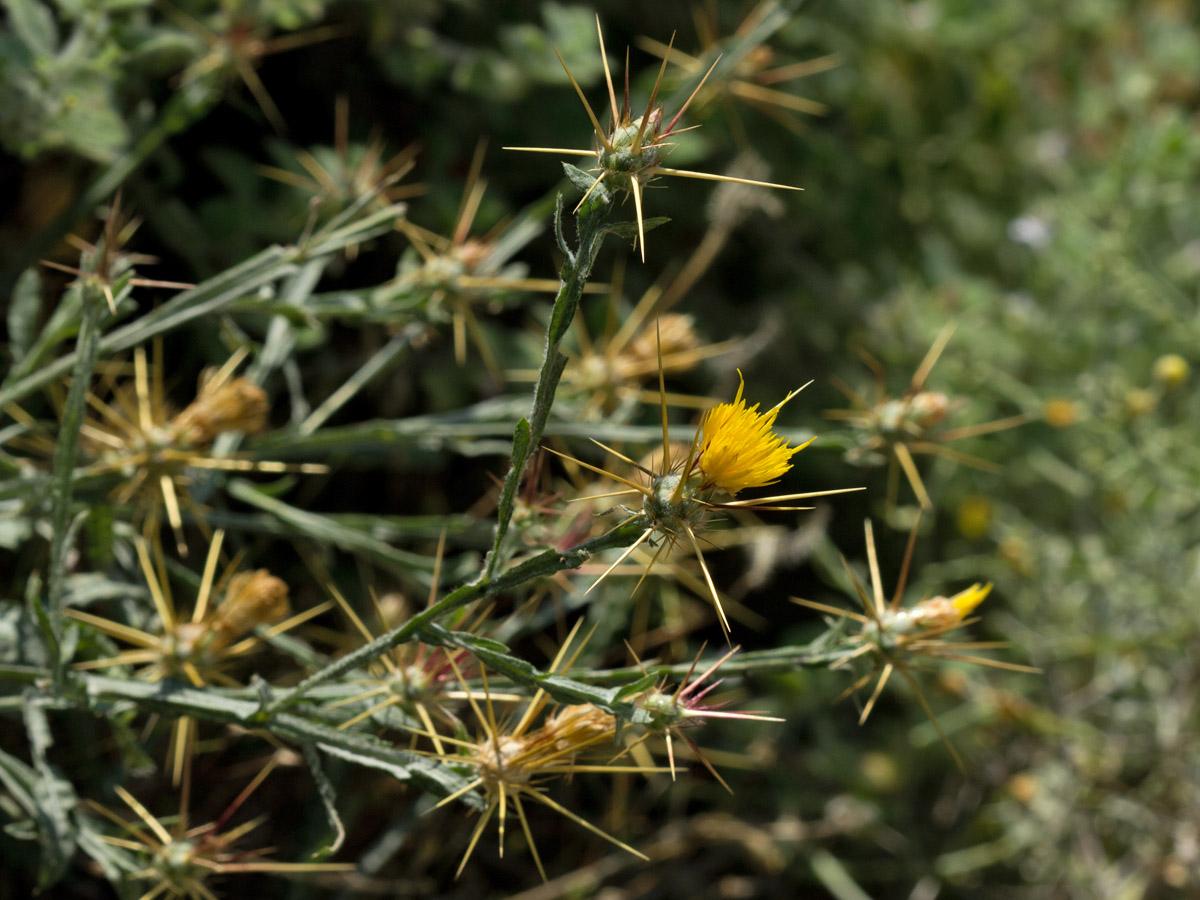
(577,267)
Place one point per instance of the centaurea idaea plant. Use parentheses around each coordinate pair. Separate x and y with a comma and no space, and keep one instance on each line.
(568,720)
(734,449)
(629,154)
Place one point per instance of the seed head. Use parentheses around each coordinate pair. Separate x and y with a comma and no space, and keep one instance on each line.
(236,404)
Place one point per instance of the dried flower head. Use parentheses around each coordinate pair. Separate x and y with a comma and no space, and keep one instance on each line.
(629,154)
(198,649)
(610,370)
(894,429)
(134,434)
(222,404)
(514,759)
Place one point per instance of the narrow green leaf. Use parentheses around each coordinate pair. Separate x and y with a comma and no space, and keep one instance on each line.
(53,797)
(23,312)
(636,687)
(584,182)
(630,229)
(328,800)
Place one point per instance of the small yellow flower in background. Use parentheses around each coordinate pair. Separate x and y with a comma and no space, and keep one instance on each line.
(1172,370)
(738,448)
(1060,412)
(1140,402)
(974,516)
(630,153)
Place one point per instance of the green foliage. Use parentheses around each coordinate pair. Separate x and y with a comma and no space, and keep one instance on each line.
(1024,171)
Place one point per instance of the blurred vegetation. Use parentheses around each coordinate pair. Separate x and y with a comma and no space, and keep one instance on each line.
(1025,171)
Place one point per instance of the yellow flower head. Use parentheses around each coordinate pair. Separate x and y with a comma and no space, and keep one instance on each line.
(738,449)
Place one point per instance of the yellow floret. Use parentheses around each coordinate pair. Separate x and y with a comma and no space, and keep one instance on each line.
(738,449)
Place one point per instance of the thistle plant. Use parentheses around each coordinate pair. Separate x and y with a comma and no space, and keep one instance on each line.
(895,639)
(442,710)
(629,154)
(893,430)
(734,448)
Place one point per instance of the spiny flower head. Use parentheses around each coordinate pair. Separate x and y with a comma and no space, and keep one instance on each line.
(739,449)
(455,277)
(894,637)
(350,175)
(418,679)
(220,629)
(681,497)
(931,615)
(514,758)
(629,154)
(181,859)
(668,710)
(897,428)
(198,649)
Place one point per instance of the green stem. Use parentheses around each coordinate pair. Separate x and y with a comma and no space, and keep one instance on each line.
(756,662)
(577,267)
(175,699)
(87,347)
(543,564)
